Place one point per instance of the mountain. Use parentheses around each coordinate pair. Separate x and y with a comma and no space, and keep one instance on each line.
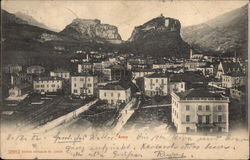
(93,30)
(31,20)
(159,37)
(224,34)
(8,18)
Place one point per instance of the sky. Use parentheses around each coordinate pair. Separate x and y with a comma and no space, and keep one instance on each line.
(56,14)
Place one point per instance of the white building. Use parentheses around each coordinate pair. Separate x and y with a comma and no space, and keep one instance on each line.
(35,70)
(60,73)
(162,85)
(115,93)
(138,73)
(232,80)
(48,84)
(84,84)
(226,67)
(200,111)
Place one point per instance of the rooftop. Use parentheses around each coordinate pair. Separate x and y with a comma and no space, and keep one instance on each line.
(116,86)
(235,74)
(47,78)
(199,93)
(60,70)
(83,74)
(158,75)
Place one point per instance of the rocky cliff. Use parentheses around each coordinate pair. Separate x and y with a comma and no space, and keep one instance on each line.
(160,37)
(87,29)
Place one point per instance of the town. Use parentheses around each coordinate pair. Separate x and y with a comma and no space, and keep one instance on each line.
(198,94)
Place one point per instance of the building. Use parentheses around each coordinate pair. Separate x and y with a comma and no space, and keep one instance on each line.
(20,90)
(12,68)
(232,80)
(206,70)
(239,93)
(195,56)
(193,65)
(226,67)
(35,70)
(138,73)
(48,84)
(84,67)
(20,77)
(115,93)
(84,84)
(60,73)
(156,84)
(162,84)
(176,86)
(200,111)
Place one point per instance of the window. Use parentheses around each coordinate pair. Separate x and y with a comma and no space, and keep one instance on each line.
(207,107)
(187,107)
(187,118)
(156,81)
(74,79)
(88,79)
(199,119)
(89,91)
(119,94)
(89,85)
(81,79)
(207,119)
(199,107)
(219,108)
(219,118)
(53,85)
(181,85)
(111,94)
(187,129)
(75,91)
(42,85)
(37,86)
(75,85)
(151,80)
(162,81)
(105,94)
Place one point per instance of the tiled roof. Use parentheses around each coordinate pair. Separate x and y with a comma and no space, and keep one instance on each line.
(22,86)
(236,74)
(229,66)
(86,74)
(199,93)
(47,78)
(60,70)
(115,86)
(158,75)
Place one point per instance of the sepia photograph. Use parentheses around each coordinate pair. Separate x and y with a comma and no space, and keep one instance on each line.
(123,79)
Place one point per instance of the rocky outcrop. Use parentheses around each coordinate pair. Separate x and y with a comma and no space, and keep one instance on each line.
(157,25)
(159,37)
(87,29)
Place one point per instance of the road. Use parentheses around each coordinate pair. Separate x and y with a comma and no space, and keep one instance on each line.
(153,106)
(124,115)
(64,119)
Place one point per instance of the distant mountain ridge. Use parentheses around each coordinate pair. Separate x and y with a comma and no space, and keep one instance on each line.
(31,20)
(227,33)
(8,18)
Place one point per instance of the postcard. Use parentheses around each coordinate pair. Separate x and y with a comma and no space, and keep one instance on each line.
(119,79)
